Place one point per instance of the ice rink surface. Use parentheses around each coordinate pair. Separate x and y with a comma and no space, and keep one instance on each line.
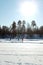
(21,53)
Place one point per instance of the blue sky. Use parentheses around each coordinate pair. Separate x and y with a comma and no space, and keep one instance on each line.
(9,12)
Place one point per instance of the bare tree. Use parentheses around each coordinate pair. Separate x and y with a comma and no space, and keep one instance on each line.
(23,29)
(13,29)
(41,30)
(28,27)
(5,31)
(23,26)
(33,25)
(19,26)
(19,29)
(0,31)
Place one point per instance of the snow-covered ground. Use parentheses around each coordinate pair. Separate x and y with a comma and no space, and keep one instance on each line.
(23,53)
(7,40)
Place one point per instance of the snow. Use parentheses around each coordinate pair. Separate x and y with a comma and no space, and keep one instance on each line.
(28,52)
(21,41)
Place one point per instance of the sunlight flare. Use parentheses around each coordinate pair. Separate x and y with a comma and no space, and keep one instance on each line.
(28,9)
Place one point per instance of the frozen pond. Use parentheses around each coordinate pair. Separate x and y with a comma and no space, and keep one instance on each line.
(21,53)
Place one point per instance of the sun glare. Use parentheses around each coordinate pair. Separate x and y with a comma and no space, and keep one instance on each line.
(28,9)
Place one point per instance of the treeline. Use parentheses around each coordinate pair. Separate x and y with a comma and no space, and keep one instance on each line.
(21,28)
